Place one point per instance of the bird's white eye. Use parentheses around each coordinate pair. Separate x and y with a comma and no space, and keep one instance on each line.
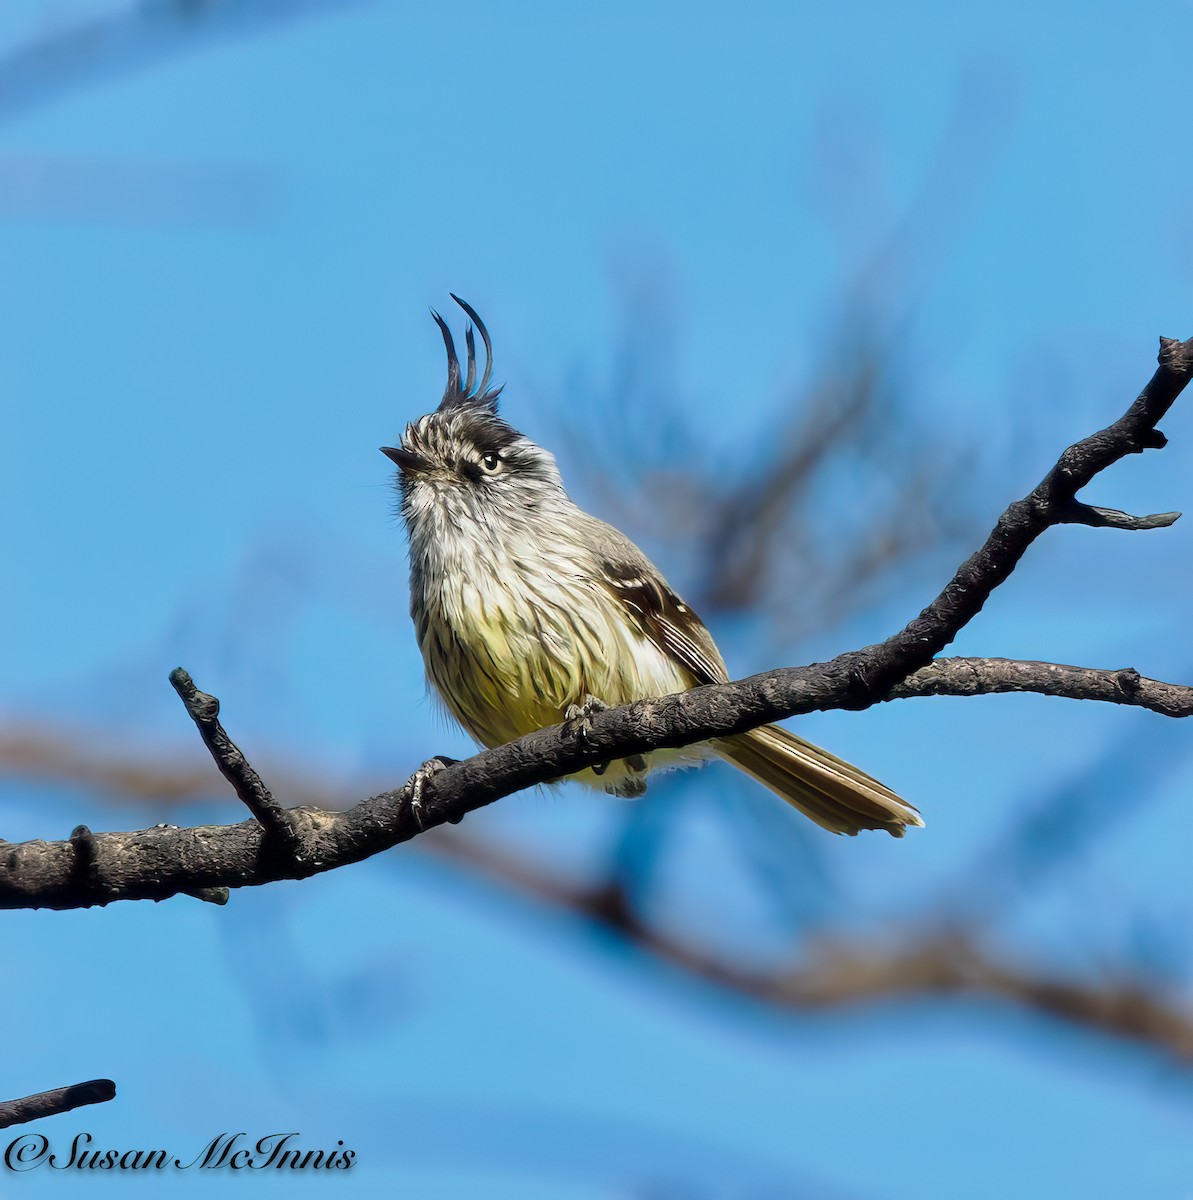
(491,462)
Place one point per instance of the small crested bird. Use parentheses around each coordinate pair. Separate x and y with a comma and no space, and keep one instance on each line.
(530,612)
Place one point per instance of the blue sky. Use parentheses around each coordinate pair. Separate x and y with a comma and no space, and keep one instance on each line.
(215,266)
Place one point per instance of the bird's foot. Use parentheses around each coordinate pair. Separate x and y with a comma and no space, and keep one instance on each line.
(419,781)
(577,720)
(577,724)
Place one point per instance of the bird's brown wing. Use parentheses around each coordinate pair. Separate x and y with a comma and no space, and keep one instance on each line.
(833,793)
(665,619)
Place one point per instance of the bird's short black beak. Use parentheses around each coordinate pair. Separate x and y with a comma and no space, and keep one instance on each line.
(407,460)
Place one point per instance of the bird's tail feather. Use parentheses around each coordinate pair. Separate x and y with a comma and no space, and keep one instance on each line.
(832,792)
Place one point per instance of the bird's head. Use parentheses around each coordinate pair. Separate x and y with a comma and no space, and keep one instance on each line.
(463,459)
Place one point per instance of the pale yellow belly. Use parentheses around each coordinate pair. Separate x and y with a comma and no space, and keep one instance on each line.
(507,671)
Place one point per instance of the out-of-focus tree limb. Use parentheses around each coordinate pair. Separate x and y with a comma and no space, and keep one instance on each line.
(919,962)
(750,514)
(124,774)
(161,862)
(137,35)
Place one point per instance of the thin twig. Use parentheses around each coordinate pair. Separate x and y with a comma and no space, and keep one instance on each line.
(1112,518)
(60,1100)
(248,785)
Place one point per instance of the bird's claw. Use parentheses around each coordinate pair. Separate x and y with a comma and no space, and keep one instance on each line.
(577,720)
(419,781)
(577,724)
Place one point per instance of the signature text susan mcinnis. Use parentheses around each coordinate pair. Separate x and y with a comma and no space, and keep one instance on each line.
(231,1151)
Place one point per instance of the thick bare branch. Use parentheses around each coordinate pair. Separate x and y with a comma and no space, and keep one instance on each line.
(60,1100)
(157,863)
(986,676)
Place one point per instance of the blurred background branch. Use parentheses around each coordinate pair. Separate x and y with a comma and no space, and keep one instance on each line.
(60,52)
(941,954)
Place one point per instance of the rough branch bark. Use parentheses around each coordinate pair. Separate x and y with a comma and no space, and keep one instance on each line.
(204,710)
(988,676)
(162,862)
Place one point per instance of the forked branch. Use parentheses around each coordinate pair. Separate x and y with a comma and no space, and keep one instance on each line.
(162,862)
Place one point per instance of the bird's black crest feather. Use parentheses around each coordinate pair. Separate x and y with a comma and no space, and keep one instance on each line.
(466,392)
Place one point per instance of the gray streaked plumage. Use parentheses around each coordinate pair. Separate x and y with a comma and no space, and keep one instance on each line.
(524,606)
